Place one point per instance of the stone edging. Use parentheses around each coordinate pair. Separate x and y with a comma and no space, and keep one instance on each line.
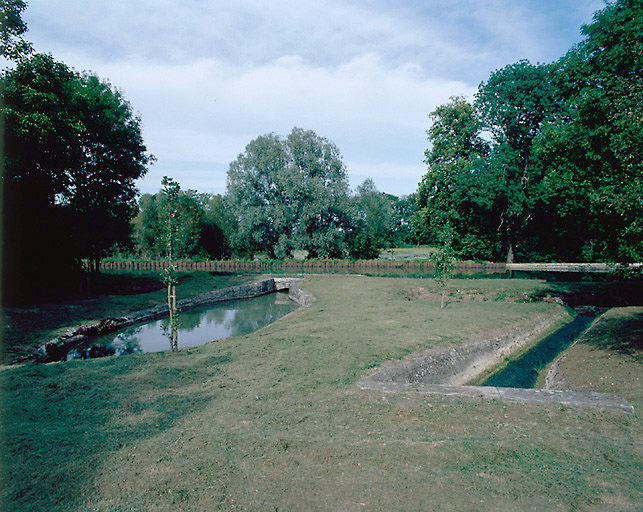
(603,401)
(469,362)
(52,350)
(446,372)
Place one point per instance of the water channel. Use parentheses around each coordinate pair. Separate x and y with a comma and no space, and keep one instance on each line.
(523,372)
(197,327)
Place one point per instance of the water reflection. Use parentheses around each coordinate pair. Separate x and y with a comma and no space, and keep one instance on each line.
(196,327)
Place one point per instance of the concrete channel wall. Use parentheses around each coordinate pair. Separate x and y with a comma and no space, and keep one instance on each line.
(448,372)
(53,349)
(468,362)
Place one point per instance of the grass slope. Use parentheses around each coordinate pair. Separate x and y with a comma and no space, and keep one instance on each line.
(274,421)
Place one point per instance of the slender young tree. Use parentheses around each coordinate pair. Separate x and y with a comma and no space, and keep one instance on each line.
(172,239)
(443,258)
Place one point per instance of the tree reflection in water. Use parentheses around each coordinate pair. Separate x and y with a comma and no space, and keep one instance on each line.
(196,327)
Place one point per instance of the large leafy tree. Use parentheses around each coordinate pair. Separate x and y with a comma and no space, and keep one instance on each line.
(514,105)
(72,151)
(289,193)
(454,191)
(593,153)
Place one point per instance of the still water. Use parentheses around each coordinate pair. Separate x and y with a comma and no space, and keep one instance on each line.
(523,372)
(196,327)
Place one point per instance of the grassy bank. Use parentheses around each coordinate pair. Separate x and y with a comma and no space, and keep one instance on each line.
(607,358)
(274,421)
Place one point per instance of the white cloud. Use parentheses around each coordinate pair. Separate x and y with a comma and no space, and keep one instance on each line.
(207,77)
(208,111)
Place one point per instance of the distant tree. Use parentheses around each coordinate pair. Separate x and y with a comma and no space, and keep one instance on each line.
(404,207)
(217,225)
(375,214)
(289,193)
(145,226)
(12,27)
(151,221)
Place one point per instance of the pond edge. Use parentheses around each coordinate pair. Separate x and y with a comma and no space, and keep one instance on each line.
(74,337)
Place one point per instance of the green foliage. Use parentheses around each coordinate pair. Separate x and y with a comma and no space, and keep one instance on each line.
(73,150)
(453,189)
(175,237)
(200,231)
(289,193)
(514,104)
(443,257)
(12,27)
(404,207)
(592,154)
(562,177)
(374,223)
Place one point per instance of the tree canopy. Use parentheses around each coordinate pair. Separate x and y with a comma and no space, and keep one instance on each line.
(72,152)
(561,176)
(12,27)
(289,193)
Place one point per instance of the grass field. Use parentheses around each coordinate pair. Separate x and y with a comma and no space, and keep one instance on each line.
(274,421)
(407,253)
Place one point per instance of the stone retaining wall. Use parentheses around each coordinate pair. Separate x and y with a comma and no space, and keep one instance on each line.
(53,349)
(445,372)
(468,362)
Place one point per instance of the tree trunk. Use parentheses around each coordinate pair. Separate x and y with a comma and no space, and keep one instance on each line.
(510,253)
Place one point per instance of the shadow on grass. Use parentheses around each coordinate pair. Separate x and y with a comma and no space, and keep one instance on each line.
(621,331)
(62,422)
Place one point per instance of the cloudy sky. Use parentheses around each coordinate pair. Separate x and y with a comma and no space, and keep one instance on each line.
(207,77)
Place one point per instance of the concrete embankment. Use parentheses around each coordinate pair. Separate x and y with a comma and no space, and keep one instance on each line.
(470,361)
(53,349)
(447,372)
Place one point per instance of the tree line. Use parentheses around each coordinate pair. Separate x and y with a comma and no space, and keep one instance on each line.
(543,164)
(283,194)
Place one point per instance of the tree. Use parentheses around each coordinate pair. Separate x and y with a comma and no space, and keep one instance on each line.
(592,153)
(454,189)
(175,241)
(217,225)
(12,27)
(443,258)
(404,207)
(514,105)
(375,215)
(73,150)
(289,193)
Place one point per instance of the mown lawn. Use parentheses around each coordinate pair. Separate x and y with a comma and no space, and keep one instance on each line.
(274,421)
(422,252)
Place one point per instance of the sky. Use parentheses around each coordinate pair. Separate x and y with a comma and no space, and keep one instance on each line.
(207,77)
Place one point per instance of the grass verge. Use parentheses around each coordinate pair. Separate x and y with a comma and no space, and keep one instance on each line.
(273,421)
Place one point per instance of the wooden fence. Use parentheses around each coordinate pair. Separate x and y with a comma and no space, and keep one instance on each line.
(313,266)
